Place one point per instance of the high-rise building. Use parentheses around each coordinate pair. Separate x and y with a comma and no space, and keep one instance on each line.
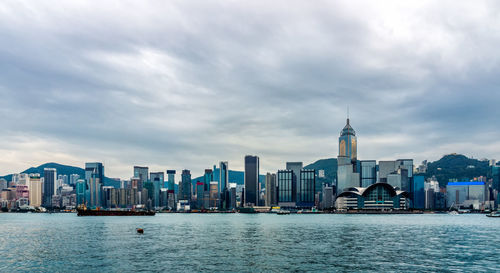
(73,179)
(3,184)
(270,196)
(295,167)
(142,173)
(214,194)
(157,178)
(35,190)
(368,172)
(171,180)
(185,186)
(306,188)
(223,176)
(347,172)
(418,193)
(200,191)
(81,189)
(49,184)
(251,180)
(207,178)
(94,176)
(327,201)
(286,189)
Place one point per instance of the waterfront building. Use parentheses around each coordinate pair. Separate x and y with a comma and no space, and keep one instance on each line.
(270,195)
(134,183)
(399,179)
(430,199)
(49,182)
(214,195)
(208,177)
(378,196)
(148,194)
(163,198)
(22,192)
(223,176)
(328,198)
(418,192)
(142,173)
(232,195)
(157,178)
(81,189)
(295,167)
(94,176)
(200,191)
(171,180)
(306,188)
(466,194)
(385,168)
(185,186)
(251,181)
(286,189)
(368,172)
(35,190)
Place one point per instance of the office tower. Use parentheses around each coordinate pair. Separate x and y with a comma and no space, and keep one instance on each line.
(347,173)
(327,201)
(418,193)
(306,188)
(94,176)
(251,180)
(134,183)
(399,179)
(157,179)
(214,194)
(148,194)
(163,198)
(295,167)
(185,186)
(49,182)
(81,189)
(232,195)
(270,197)
(207,178)
(23,179)
(200,191)
(171,180)
(35,190)
(385,168)
(73,179)
(142,173)
(286,189)
(368,172)
(223,175)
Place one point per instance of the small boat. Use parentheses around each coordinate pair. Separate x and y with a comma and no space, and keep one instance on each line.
(493,214)
(140,230)
(453,212)
(283,212)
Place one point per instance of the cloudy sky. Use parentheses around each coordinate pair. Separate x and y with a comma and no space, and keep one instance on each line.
(185,84)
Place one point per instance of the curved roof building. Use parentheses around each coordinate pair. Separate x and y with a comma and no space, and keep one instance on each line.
(378,196)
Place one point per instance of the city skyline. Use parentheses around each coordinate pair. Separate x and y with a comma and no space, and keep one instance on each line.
(153,87)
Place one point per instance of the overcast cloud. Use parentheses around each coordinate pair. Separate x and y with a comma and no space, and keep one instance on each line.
(185,84)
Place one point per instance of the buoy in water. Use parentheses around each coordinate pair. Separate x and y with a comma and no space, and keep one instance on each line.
(140,230)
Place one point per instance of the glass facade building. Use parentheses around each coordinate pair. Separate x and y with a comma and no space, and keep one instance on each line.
(94,176)
(223,176)
(49,183)
(185,186)
(418,192)
(143,174)
(368,172)
(286,189)
(157,179)
(251,180)
(306,188)
(171,180)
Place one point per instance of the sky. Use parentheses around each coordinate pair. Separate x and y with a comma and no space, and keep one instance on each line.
(186,84)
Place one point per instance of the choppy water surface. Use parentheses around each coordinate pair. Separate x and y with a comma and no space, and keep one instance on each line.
(249,243)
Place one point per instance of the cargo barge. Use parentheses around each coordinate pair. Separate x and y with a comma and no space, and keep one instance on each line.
(96,212)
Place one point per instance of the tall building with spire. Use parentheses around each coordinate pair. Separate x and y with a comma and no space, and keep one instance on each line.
(347,173)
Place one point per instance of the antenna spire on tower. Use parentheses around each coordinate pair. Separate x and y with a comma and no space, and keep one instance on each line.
(347,114)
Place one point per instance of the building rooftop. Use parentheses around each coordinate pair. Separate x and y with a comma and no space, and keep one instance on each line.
(465,183)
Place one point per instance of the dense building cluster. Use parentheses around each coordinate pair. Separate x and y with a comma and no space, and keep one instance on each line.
(358,185)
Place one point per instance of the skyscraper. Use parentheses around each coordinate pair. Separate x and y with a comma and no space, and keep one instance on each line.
(286,189)
(143,174)
(81,189)
(251,180)
(368,172)
(347,173)
(306,188)
(35,190)
(94,176)
(171,179)
(157,179)
(270,196)
(295,167)
(223,176)
(185,186)
(49,182)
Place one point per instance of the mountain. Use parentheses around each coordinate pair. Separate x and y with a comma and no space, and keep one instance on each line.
(457,166)
(63,170)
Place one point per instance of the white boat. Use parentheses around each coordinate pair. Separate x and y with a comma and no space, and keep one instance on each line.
(283,212)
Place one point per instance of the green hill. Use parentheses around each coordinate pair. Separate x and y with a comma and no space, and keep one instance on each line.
(457,166)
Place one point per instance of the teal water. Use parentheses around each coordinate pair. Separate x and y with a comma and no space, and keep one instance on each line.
(249,243)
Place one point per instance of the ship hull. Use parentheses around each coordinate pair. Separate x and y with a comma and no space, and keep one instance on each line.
(114,213)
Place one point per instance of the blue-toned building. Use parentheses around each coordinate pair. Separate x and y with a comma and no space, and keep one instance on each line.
(457,193)
(49,185)
(171,180)
(143,174)
(368,172)
(157,178)
(418,192)
(81,188)
(251,193)
(286,189)
(223,176)
(185,186)
(306,188)
(94,176)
